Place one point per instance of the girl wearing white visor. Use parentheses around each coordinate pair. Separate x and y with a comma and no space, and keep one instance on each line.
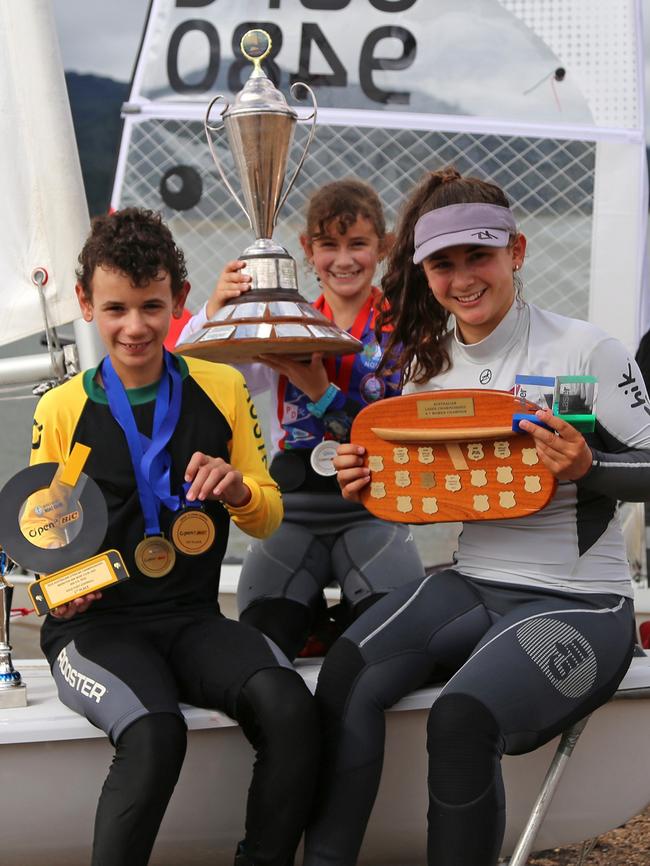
(533,624)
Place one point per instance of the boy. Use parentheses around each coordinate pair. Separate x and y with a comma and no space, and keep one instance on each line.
(168,434)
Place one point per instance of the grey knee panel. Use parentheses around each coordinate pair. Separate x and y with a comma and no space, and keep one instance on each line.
(374,558)
(292,564)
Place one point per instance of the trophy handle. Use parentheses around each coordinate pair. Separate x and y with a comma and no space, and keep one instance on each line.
(217,162)
(310,138)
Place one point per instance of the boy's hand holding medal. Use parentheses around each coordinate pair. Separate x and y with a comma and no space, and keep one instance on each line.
(192,531)
(213,478)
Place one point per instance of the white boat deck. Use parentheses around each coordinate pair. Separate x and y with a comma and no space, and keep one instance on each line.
(46,719)
(53,762)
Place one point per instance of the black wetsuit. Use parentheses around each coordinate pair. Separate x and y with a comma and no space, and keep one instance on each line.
(534,625)
(148,644)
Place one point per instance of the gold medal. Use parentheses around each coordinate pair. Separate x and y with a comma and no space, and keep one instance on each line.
(155,556)
(192,531)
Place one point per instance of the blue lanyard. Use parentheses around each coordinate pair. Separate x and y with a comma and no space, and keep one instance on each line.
(151,462)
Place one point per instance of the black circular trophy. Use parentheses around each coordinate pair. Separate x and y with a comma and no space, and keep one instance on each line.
(53,519)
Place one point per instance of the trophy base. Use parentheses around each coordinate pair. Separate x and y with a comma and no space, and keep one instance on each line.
(246,351)
(271,318)
(15,696)
(259,128)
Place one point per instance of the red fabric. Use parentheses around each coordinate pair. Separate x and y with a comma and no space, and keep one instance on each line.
(644,634)
(175,329)
(339,369)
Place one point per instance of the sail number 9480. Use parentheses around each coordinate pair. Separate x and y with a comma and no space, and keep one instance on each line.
(371,56)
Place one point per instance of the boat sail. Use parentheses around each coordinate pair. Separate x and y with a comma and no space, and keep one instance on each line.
(45,218)
(546,99)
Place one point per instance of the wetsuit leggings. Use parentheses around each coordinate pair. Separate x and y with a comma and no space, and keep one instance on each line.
(129,681)
(282,580)
(523,666)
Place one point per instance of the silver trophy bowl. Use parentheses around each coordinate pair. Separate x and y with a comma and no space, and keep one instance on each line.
(272,317)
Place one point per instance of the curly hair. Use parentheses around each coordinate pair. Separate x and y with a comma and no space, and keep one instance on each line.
(136,242)
(417,320)
(343,201)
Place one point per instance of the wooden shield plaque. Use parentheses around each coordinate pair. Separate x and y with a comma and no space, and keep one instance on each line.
(442,456)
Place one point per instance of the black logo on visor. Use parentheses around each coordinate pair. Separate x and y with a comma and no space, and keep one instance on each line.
(484,235)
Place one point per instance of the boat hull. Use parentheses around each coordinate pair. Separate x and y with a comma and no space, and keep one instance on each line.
(52,778)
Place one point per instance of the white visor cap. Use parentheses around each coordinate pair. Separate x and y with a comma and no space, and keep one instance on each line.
(489,225)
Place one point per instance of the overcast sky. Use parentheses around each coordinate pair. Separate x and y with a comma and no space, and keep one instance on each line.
(102,37)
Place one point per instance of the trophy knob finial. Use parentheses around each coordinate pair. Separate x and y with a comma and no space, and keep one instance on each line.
(255,46)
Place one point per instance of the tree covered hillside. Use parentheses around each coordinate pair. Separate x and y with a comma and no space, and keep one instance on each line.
(96,104)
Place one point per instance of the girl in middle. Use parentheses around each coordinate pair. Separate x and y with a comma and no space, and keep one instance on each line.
(323,538)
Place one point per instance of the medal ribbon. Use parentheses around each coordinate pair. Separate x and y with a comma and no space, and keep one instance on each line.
(151,463)
(183,503)
(339,369)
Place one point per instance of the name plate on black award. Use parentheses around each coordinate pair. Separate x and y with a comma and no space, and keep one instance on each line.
(90,575)
(53,520)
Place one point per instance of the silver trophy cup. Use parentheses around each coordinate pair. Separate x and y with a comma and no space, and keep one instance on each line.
(272,317)
(12,689)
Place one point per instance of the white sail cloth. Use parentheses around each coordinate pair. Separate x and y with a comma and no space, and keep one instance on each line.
(44,218)
(545,99)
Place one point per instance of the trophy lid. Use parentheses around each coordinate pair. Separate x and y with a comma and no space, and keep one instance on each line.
(259,95)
